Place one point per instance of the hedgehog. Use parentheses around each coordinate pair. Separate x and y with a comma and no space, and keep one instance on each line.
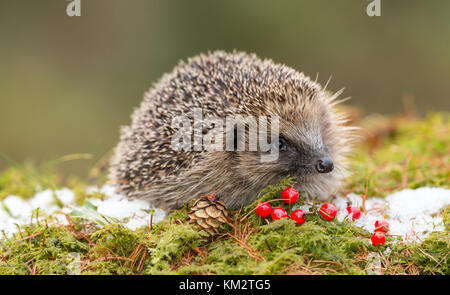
(313,142)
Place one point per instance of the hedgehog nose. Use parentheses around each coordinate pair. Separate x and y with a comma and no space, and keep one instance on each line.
(324,165)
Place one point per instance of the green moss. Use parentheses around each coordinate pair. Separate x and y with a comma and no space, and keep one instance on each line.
(39,249)
(446,217)
(397,153)
(401,152)
(167,247)
(172,248)
(434,257)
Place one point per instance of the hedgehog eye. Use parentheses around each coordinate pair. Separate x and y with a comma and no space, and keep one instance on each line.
(282,144)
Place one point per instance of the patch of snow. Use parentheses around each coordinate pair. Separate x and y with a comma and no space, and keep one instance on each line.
(18,208)
(408,203)
(66,196)
(133,213)
(411,213)
(45,201)
(117,206)
(122,208)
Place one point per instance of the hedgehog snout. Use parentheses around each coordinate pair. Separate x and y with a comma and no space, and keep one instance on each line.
(324,165)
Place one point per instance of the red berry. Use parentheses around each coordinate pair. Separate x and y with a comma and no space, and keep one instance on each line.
(278,213)
(382,226)
(378,238)
(263,209)
(328,211)
(298,216)
(355,210)
(289,195)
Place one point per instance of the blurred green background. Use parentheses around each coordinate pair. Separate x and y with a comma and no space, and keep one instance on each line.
(67,84)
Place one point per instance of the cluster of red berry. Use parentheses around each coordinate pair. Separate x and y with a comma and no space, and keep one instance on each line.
(381,227)
(328,212)
(289,196)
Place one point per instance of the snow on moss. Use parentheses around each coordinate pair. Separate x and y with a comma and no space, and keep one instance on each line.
(411,213)
(133,213)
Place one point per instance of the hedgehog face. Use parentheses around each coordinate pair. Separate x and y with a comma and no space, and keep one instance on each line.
(300,159)
(302,145)
(307,149)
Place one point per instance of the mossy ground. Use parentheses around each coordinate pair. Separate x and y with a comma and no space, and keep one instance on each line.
(394,153)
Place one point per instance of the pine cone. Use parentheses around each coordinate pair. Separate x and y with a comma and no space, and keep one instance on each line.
(209,213)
